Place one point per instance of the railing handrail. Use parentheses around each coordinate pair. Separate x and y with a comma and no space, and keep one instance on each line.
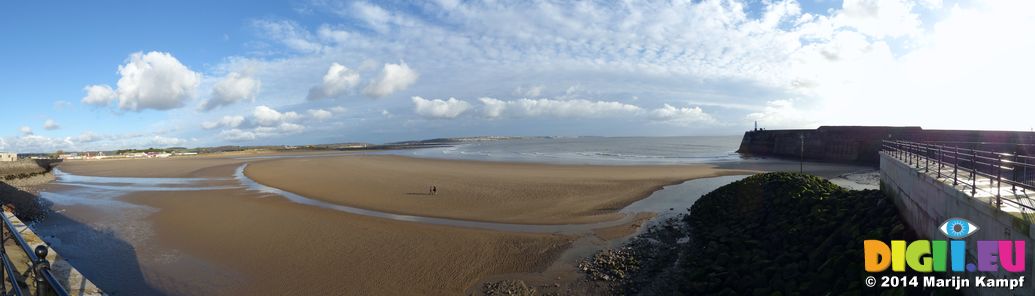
(983,163)
(44,272)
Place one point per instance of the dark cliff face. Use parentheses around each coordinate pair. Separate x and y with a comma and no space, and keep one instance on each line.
(860,144)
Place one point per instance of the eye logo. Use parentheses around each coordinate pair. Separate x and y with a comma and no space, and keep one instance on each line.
(958,228)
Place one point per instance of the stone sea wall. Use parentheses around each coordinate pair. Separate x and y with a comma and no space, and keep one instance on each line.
(860,144)
(18,185)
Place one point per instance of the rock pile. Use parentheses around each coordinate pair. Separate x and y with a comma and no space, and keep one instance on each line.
(784,232)
(768,234)
(508,288)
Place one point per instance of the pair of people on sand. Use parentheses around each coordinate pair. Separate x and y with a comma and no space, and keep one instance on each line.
(433,190)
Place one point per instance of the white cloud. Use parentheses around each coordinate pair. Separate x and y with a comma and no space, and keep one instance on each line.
(225,122)
(37,143)
(239,135)
(731,58)
(50,125)
(289,33)
(376,18)
(288,128)
(529,91)
(393,78)
(266,122)
(493,107)
(781,114)
(86,137)
(236,135)
(25,130)
(880,18)
(320,114)
(970,65)
(437,108)
(88,141)
(329,34)
(681,116)
(577,108)
(155,80)
(336,82)
(233,88)
(98,95)
(266,116)
(163,142)
(339,109)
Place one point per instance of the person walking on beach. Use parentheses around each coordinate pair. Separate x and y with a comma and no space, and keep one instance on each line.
(434,190)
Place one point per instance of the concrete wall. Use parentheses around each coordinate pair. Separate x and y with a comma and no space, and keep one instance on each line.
(925,203)
(860,144)
(66,274)
(5,156)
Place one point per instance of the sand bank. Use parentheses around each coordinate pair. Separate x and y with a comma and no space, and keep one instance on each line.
(236,241)
(282,248)
(473,190)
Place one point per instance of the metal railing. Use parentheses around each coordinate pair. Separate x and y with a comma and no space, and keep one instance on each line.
(45,282)
(1006,171)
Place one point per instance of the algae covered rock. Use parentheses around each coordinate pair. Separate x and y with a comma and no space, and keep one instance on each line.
(799,234)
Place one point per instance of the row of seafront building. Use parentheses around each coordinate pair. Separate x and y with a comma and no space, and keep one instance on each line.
(10,156)
(102,155)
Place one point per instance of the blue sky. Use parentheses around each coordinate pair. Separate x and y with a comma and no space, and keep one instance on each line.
(110,75)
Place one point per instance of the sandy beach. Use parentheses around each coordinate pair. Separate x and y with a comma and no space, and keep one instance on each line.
(523,193)
(281,248)
(238,241)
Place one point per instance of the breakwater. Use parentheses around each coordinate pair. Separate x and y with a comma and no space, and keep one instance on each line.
(18,184)
(21,169)
(768,234)
(860,144)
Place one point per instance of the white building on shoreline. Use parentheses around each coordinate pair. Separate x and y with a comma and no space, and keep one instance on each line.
(8,156)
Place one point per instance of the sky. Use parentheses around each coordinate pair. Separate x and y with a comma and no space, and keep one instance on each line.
(105,75)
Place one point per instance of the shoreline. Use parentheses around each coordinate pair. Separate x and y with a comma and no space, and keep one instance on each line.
(620,208)
(503,192)
(248,235)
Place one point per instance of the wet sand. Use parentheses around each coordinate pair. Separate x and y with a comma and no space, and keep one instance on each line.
(237,241)
(283,248)
(523,193)
(151,168)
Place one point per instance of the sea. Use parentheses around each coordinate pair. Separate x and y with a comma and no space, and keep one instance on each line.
(592,150)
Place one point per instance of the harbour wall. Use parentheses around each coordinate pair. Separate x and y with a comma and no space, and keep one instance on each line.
(924,203)
(860,144)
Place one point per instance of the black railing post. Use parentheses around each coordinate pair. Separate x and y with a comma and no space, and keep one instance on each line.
(927,159)
(999,180)
(940,162)
(3,256)
(955,165)
(908,157)
(909,153)
(39,267)
(1013,173)
(973,172)
(916,154)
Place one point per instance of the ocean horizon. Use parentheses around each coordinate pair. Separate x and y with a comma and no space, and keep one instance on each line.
(591,150)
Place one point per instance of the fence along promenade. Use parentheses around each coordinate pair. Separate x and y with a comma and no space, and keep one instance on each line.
(1005,180)
(38,279)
